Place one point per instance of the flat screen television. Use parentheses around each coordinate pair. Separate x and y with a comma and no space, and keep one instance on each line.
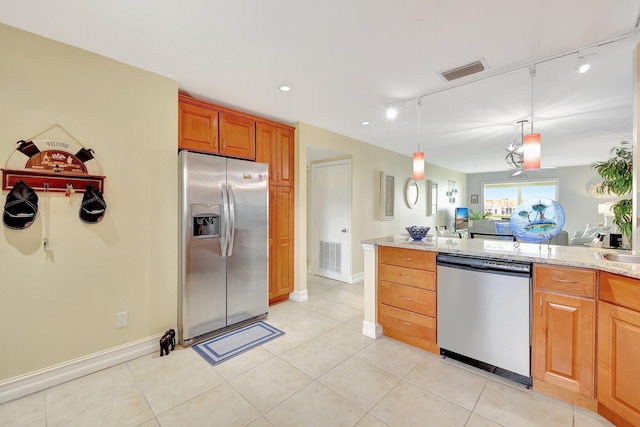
(462,219)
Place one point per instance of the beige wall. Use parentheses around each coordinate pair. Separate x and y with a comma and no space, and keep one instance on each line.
(367,163)
(61,304)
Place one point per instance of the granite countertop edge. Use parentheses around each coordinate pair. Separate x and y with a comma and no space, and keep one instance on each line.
(570,256)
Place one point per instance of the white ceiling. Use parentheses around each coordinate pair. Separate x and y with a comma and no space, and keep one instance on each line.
(346,60)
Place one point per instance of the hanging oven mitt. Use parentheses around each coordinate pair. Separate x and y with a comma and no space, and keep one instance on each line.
(21,207)
(93,206)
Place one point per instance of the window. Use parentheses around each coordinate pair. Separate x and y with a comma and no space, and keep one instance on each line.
(501,198)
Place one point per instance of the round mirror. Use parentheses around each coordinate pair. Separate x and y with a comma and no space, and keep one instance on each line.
(411,193)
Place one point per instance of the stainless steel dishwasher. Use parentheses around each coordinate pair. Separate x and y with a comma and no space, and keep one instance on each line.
(484,314)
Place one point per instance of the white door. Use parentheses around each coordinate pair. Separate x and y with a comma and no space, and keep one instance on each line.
(331,187)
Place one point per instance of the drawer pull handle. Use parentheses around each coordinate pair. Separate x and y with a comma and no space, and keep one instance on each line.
(407,298)
(563,280)
(406,277)
(406,323)
(406,258)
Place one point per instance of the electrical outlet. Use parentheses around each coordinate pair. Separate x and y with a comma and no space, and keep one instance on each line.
(122,319)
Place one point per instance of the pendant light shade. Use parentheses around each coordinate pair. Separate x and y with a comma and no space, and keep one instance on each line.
(418,166)
(418,156)
(531,142)
(531,145)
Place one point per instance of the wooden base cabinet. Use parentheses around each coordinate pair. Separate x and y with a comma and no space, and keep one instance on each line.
(564,334)
(619,349)
(407,296)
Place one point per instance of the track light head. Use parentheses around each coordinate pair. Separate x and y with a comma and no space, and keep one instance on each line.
(391,112)
(582,66)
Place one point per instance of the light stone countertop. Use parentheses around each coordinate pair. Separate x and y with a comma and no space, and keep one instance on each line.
(571,256)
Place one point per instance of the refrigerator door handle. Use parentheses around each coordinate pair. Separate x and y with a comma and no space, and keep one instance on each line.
(224,236)
(232,220)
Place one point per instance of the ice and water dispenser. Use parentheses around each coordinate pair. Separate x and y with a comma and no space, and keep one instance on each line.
(205,221)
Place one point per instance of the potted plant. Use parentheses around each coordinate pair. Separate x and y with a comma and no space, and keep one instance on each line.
(476,215)
(617,179)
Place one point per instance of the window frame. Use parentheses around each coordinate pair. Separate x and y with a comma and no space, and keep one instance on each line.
(519,184)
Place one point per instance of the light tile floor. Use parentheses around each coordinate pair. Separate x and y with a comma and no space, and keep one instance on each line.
(323,372)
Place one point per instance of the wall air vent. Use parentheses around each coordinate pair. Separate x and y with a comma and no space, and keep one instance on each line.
(465,70)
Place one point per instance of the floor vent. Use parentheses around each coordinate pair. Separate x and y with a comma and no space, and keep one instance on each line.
(465,70)
(330,256)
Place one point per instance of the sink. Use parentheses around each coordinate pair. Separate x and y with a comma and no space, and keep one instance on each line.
(628,258)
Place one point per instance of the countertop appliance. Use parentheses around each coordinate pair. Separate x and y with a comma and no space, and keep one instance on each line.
(223,270)
(484,315)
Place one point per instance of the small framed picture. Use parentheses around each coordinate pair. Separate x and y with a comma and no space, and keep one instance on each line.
(474,199)
(387,195)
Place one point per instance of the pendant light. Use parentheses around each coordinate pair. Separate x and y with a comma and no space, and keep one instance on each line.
(531,142)
(418,157)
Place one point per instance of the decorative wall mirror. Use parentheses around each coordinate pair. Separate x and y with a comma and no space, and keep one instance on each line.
(432,197)
(411,193)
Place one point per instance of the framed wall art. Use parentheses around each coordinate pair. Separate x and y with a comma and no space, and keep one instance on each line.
(474,199)
(387,196)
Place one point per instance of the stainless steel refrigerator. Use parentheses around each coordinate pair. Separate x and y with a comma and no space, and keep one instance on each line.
(224,247)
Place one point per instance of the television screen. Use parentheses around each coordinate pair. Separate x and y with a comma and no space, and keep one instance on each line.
(462,219)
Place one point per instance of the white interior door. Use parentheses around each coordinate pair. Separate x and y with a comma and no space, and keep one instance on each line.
(331,186)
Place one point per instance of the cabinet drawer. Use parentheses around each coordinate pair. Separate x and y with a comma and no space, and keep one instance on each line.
(407,276)
(620,290)
(412,258)
(408,298)
(407,323)
(576,281)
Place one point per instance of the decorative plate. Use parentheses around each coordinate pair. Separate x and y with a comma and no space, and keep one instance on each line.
(537,220)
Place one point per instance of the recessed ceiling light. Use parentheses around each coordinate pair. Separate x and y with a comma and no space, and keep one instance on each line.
(285,88)
(365,123)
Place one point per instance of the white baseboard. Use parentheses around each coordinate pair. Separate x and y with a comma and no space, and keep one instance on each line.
(356,278)
(30,383)
(299,296)
(371,330)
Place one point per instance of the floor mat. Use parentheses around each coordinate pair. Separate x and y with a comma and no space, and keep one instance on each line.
(218,349)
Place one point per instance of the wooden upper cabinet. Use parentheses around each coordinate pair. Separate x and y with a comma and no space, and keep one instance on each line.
(284,160)
(197,126)
(274,145)
(266,148)
(237,136)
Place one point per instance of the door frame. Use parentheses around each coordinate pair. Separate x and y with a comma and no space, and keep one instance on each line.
(347,268)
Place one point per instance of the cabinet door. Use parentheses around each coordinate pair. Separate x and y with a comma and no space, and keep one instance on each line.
(564,341)
(273,261)
(237,136)
(618,367)
(197,128)
(266,148)
(284,240)
(285,159)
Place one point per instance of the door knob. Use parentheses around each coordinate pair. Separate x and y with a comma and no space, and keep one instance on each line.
(344,230)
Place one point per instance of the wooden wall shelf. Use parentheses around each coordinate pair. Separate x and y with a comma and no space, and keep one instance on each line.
(56,181)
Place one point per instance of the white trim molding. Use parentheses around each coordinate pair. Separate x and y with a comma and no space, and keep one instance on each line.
(299,296)
(356,278)
(371,330)
(39,380)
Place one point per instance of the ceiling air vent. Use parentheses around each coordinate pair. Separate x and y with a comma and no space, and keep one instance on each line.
(465,70)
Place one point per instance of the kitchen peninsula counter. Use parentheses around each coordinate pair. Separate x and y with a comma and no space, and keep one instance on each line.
(570,256)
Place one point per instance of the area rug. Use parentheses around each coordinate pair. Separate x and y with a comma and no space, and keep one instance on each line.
(223,347)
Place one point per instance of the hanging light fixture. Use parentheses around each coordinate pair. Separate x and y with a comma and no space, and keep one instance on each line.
(531,142)
(418,157)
